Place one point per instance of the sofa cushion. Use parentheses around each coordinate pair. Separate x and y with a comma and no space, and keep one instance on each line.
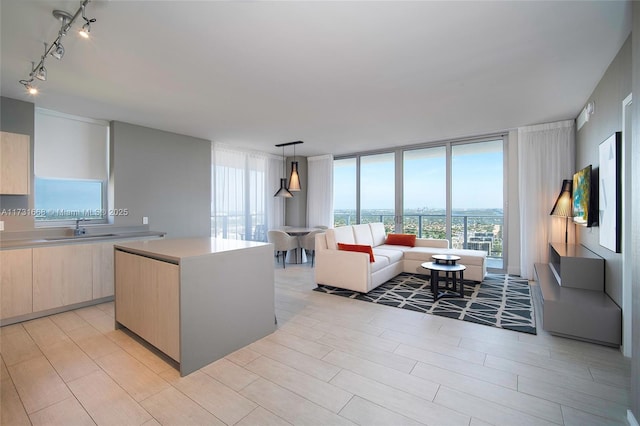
(341,234)
(401,240)
(423,253)
(380,263)
(359,248)
(396,248)
(389,252)
(467,257)
(362,234)
(377,233)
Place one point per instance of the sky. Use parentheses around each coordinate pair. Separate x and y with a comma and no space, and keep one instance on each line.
(477,179)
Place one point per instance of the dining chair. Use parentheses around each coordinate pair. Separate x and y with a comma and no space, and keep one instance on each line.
(308,243)
(282,243)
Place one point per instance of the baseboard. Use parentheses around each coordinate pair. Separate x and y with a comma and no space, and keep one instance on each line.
(511,270)
(631,419)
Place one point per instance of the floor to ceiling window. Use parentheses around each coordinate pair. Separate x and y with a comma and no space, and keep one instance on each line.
(345,187)
(243,206)
(425,192)
(377,189)
(477,191)
(452,190)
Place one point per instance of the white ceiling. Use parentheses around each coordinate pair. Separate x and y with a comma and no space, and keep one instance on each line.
(341,76)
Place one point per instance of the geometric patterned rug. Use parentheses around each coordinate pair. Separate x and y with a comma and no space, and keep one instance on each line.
(499,301)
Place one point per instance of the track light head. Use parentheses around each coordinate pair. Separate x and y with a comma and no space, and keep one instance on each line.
(85,30)
(58,51)
(41,73)
(31,89)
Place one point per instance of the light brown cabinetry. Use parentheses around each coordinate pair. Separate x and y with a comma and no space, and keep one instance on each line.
(148,300)
(43,280)
(14,163)
(102,270)
(16,283)
(62,275)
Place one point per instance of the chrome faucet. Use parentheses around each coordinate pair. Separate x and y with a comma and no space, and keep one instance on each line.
(79,231)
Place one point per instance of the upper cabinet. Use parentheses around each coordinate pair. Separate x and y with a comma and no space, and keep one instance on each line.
(15,163)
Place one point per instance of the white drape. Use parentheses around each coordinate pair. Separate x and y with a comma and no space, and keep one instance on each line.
(320,190)
(546,156)
(243,183)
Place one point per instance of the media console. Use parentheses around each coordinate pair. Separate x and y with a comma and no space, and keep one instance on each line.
(574,303)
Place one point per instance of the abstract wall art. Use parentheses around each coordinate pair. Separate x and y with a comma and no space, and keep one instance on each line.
(610,193)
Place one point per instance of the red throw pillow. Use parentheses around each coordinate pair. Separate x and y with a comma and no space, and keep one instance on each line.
(358,248)
(401,240)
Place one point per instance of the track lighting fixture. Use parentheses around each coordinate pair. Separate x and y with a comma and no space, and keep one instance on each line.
(56,49)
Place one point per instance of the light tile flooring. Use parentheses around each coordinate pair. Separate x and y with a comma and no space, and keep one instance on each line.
(332,361)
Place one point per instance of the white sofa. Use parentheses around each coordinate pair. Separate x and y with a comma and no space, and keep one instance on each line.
(354,271)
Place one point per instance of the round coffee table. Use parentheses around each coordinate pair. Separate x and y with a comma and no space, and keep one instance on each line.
(447,259)
(454,271)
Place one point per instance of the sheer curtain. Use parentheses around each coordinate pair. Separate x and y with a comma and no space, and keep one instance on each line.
(243,182)
(320,190)
(546,155)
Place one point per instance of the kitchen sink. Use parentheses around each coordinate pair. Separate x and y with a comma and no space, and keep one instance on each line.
(80,237)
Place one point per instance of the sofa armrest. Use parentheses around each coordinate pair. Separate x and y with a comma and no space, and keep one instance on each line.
(432,242)
(344,269)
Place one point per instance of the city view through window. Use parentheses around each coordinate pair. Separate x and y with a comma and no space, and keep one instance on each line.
(475,188)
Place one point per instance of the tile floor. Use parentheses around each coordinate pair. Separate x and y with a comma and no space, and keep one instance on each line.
(332,361)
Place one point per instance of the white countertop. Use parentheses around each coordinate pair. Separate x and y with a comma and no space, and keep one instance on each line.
(174,250)
(46,241)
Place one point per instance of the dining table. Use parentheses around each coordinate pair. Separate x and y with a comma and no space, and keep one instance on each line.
(296,231)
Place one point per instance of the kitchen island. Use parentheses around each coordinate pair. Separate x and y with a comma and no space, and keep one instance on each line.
(195,299)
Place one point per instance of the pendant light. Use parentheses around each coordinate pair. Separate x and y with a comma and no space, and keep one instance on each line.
(283,191)
(294,179)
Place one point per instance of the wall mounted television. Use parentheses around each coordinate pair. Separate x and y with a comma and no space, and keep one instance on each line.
(585,197)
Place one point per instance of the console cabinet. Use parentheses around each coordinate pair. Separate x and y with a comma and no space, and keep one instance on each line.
(574,303)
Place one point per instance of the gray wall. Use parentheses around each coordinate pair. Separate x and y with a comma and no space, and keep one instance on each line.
(635,202)
(608,95)
(163,176)
(17,117)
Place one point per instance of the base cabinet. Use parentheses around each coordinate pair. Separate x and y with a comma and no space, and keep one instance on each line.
(44,280)
(148,300)
(16,283)
(62,275)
